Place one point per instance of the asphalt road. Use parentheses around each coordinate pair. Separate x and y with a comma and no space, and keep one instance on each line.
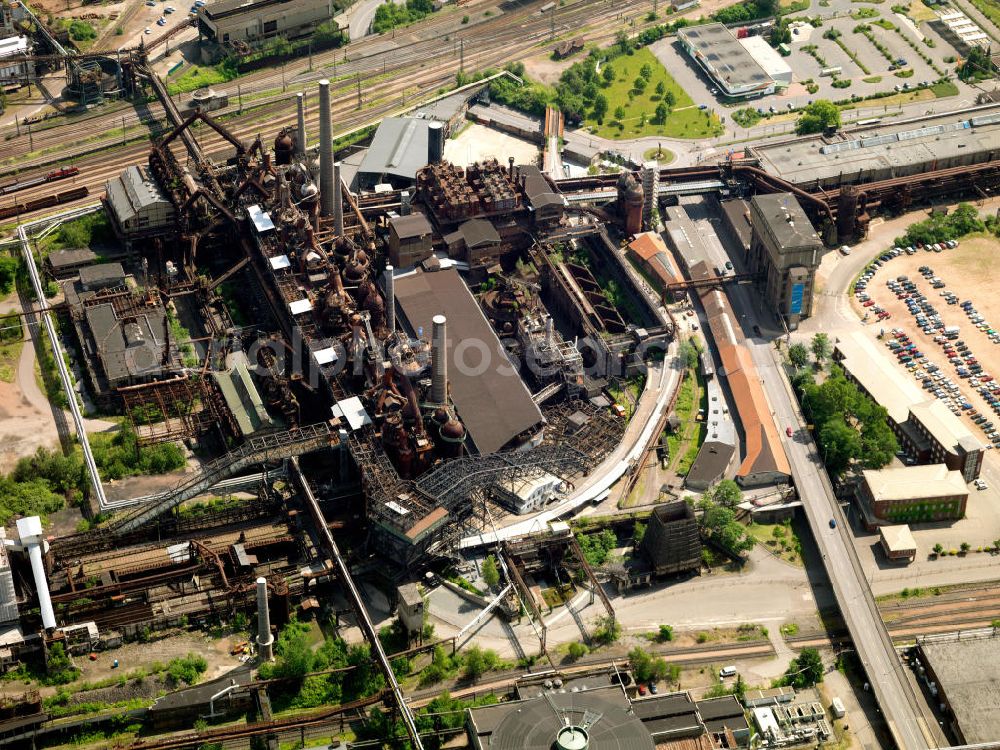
(884,670)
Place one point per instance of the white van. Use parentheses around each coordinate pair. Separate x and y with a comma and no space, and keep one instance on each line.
(727,672)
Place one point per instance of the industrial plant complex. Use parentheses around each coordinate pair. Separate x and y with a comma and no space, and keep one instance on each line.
(389,398)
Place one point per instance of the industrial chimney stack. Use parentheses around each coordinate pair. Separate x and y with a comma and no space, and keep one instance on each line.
(338,200)
(435,142)
(300,133)
(326,186)
(265,640)
(390,300)
(439,361)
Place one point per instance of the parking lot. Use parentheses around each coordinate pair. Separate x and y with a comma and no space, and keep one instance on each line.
(960,370)
(841,16)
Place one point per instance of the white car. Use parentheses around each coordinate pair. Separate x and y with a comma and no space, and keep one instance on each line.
(980,484)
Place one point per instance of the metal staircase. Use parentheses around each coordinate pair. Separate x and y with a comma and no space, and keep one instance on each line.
(257,450)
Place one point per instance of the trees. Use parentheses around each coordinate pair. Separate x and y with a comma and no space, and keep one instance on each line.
(839,443)
(478,661)
(646,72)
(798,355)
(805,670)
(661,113)
(661,89)
(850,426)
(577,651)
(639,84)
(726,493)
(977,65)
(620,113)
(600,107)
(645,667)
(723,527)
(671,99)
(608,74)
(187,669)
(665,633)
(293,651)
(688,353)
(938,548)
(821,347)
(491,576)
(817,117)
(596,547)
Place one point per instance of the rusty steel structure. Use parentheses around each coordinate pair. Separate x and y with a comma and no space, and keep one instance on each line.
(179,407)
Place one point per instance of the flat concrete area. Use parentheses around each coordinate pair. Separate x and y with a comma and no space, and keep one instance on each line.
(477,142)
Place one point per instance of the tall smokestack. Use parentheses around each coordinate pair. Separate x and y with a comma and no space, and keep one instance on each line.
(265,640)
(300,133)
(390,300)
(435,142)
(338,200)
(439,361)
(326,186)
(550,338)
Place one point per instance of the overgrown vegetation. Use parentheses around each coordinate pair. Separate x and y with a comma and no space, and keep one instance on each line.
(296,659)
(721,526)
(91,229)
(597,547)
(389,15)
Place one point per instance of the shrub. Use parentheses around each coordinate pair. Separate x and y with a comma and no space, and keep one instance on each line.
(186,669)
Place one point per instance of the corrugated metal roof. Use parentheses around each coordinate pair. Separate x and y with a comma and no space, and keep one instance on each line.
(399,148)
(494,406)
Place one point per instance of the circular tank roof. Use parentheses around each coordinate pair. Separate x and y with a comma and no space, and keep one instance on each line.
(540,725)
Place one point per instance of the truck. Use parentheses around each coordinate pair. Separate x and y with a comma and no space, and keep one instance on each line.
(951,331)
(834,71)
(837,708)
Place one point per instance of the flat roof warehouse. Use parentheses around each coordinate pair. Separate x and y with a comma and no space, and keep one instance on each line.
(724,57)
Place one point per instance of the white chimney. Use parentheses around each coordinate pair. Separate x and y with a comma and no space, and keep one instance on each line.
(439,361)
(265,640)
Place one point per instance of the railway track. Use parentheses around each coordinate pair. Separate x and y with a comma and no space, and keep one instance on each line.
(387,94)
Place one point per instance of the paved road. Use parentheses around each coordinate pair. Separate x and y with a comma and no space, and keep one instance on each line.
(362,14)
(884,670)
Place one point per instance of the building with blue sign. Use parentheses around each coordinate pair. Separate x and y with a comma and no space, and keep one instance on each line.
(785,251)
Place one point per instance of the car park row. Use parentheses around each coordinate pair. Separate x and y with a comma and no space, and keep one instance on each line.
(928,319)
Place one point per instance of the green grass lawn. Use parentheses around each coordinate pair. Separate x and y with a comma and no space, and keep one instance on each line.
(780,539)
(685,442)
(196,77)
(685,121)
